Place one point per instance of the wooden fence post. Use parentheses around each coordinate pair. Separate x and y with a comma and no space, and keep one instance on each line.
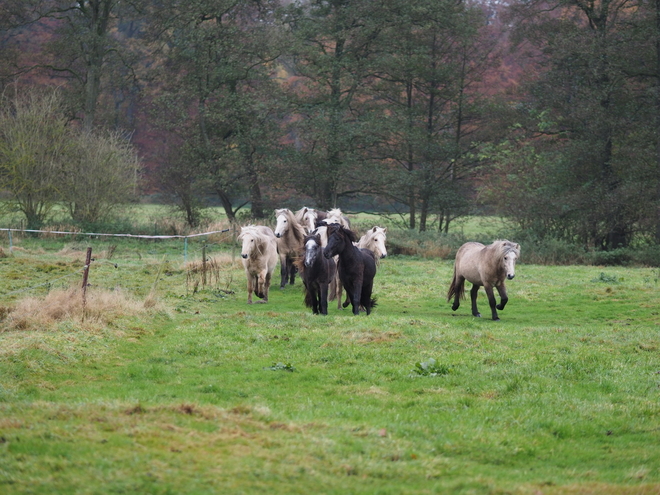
(88,261)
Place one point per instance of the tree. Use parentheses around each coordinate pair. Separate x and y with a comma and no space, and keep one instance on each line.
(83,43)
(433,58)
(217,65)
(44,160)
(101,173)
(34,147)
(333,47)
(597,108)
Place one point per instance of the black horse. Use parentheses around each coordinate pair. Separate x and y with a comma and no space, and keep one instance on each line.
(357,267)
(316,272)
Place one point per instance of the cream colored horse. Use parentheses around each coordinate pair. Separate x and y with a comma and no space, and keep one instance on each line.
(487,266)
(259,256)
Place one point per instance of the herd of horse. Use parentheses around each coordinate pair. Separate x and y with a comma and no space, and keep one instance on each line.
(322,248)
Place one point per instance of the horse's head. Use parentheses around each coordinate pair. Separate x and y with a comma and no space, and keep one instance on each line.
(511,252)
(338,239)
(379,235)
(249,237)
(309,219)
(312,249)
(282,218)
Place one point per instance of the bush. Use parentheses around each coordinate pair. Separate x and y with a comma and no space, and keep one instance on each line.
(424,244)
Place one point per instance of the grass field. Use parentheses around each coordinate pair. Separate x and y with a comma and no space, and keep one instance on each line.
(197,392)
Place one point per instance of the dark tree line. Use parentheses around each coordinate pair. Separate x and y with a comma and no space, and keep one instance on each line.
(389,101)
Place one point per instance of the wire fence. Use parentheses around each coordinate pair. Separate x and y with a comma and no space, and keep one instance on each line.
(101,234)
(104,277)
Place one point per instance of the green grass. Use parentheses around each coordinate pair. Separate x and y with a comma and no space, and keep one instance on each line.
(210,395)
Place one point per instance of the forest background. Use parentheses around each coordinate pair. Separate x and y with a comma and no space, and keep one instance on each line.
(545,112)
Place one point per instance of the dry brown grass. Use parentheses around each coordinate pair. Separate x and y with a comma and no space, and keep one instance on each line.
(215,272)
(101,307)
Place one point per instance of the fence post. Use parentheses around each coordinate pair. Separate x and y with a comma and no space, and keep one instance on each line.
(11,246)
(88,261)
(204,265)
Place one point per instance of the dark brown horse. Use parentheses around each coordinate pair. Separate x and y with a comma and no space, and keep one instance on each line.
(317,272)
(483,265)
(357,267)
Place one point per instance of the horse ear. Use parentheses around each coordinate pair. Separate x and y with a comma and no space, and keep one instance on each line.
(374,230)
(518,247)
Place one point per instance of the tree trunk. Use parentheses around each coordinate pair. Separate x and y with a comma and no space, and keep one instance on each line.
(226,205)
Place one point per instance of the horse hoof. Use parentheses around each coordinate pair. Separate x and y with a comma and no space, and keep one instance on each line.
(454,307)
(478,315)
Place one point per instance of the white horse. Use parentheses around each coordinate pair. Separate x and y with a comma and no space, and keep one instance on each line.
(336,216)
(259,256)
(374,241)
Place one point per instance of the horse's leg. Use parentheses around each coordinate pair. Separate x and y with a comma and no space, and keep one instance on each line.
(291,269)
(250,287)
(261,290)
(504,298)
(473,296)
(355,301)
(323,299)
(356,295)
(491,301)
(267,285)
(283,274)
(315,299)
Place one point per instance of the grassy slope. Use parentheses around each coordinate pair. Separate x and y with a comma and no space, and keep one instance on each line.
(561,396)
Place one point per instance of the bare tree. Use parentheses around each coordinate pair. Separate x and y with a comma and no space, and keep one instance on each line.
(34,146)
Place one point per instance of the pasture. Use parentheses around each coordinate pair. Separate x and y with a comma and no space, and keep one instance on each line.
(198,392)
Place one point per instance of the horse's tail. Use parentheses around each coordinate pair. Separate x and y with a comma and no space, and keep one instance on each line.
(373,302)
(457,287)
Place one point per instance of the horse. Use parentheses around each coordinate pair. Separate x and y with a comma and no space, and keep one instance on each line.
(336,216)
(335,290)
(317,272)
(356,267)
(308,217)
(374,240)
(290,237)
(484,265)
(259,256)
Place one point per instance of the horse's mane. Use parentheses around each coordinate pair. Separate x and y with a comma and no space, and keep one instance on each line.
(504,247)
(254,231)
(336,216)
(259,235)
(335,227)
(335,212)
(370,235)
(367,241)
(300,214)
